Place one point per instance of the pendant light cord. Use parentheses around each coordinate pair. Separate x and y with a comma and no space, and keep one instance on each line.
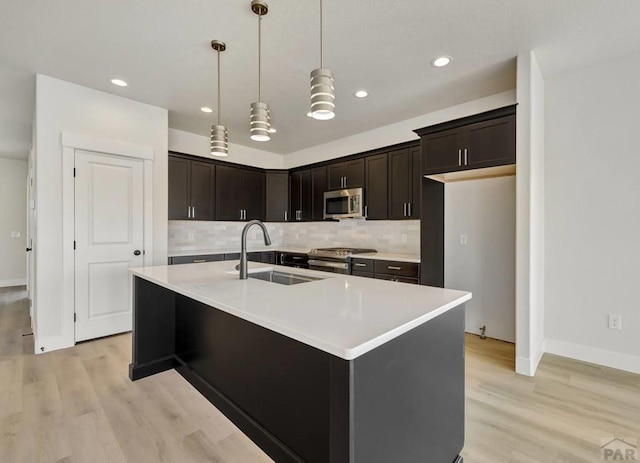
(259,55)
(321,39)
(218,52)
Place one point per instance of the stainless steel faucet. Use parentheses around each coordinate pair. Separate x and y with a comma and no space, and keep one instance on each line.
(243,246)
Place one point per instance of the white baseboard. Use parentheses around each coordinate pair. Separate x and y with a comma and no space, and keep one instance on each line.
(617,360)
(528,366)
(13,282)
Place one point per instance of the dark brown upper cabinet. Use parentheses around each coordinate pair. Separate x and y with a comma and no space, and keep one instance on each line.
(300,193)
(277,196)
(483,140)
(348,174)
(240,194)
(404,184)
(318,188)
(376,188)
(191,189)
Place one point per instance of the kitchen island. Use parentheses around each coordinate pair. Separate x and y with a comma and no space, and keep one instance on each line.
(336,369)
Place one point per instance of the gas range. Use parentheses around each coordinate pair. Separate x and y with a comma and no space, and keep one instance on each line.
(338,253)
(333,259)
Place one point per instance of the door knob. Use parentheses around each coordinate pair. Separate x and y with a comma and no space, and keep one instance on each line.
(136,252)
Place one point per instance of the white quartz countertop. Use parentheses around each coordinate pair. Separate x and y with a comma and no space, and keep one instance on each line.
(207,252)
(387,256)
(372,255)
(343,315)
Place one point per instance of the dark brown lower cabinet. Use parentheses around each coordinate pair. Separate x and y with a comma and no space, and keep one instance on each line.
(402,402)
(403,272)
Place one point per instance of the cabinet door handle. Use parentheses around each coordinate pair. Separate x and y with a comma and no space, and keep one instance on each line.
(189,212)
(466,159)
(358,264)
(193,212)
(199,261)
(366,211)
(409,209)
(459,158)
(285,216)
(393,267)
(404,209)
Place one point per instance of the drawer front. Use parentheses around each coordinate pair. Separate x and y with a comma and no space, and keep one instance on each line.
(254,256)
(268,257)
(196,259)
(232,256)
(361,265)
(389,267)
(355,273)
(400,279)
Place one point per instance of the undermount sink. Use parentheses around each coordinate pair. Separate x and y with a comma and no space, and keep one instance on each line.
(282,278)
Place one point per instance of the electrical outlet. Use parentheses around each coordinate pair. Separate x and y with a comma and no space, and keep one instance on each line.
(191,237)
(15,234)
(615,322)
(404,237)
(463,240)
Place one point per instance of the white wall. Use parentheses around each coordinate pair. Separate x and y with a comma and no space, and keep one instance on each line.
(485,212)
(395,133)
(13,218)
(530,210)
(593,213)
(189,143)
(65,107)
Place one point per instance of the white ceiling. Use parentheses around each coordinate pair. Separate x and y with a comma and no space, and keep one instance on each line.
(161,48)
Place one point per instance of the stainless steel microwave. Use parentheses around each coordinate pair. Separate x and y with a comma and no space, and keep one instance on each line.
(344,204)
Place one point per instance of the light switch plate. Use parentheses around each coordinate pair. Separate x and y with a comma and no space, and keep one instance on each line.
(15,234)
(463,240)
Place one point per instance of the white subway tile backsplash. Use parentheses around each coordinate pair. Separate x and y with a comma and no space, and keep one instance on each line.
(217,235)
(384,235)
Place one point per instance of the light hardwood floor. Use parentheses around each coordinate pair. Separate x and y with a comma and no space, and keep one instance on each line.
(78,405)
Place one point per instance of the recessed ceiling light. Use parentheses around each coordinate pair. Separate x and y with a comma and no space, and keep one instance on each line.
(441,61)
(361,94)
(206,109)
(272,130)
(119,82)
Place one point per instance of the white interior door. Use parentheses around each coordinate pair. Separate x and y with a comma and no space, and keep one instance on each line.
(109,238)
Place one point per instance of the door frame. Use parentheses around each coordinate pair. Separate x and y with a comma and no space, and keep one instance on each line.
(104,146)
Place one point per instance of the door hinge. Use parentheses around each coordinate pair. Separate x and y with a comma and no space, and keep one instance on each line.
(74,317)
(74,244)
(74,171)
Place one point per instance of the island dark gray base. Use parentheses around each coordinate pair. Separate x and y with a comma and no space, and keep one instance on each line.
(402,402)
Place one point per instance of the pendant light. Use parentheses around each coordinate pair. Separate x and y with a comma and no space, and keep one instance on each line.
(323,93)
(219,133)
(260,118)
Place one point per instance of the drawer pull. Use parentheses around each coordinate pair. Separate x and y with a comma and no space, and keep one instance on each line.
(391,267)
(360,265)
(199,261)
